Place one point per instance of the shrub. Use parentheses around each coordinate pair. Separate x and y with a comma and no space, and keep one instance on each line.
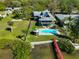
(10,23)
(20,49)
(17,14)
(8,29)
(66,45)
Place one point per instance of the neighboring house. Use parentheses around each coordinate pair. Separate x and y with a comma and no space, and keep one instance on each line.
(61,17)
(12,8)
(3,15)
(43,18)
(9,10)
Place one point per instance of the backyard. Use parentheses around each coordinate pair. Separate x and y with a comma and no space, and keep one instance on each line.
(18,28)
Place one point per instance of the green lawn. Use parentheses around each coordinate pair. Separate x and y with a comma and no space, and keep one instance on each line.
(18,27)
(1,12)
(38,38)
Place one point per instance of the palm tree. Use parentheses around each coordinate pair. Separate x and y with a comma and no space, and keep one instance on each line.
(26,32)
(73,28)
(10,24)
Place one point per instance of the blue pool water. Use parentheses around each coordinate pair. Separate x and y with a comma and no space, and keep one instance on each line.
(52,31)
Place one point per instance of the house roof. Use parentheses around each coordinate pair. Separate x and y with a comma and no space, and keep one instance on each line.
(41,13)
(36,13)
(15,8)
(62,16)
(45,19)
(44,15)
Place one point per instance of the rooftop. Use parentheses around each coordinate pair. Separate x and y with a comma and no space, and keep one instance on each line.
(45,19)
(62,16)
(41,13)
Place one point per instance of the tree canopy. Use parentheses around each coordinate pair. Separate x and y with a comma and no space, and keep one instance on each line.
(2,6)
(73,28)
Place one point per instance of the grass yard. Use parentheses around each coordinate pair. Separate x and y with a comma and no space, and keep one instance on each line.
(39,38)
(18,27)
(1,12)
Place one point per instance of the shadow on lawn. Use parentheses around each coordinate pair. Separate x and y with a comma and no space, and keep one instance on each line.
(53,51)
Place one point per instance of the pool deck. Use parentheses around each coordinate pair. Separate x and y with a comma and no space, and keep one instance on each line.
(41,42)
(41,33)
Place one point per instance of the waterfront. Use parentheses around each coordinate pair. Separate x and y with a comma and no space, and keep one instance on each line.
(46,52)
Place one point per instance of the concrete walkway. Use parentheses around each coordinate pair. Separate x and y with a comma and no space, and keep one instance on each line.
(76,46)
(50,41)
(40,42)
(17,20)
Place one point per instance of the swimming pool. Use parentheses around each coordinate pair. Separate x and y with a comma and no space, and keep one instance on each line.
(47,31)
(53,31)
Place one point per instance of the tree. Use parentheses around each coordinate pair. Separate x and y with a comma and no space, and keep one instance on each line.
(73,28)
(7,2)
(26,12)
(53,6)
(12,3)
(17,14)
(66,45)
(15,4)
(20,49)
(66,6)
(76,2)
(2,6)
(39,5)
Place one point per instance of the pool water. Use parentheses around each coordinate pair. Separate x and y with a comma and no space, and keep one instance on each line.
(71,56)
(52,31)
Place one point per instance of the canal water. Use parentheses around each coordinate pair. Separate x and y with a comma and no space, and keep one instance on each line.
(45,51)
(71,56)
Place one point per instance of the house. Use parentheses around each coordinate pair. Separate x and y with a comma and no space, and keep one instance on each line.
(9,10)
(12,8)
(40,13)
(61,17)
(44,21)
(43,18)
(3,15)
